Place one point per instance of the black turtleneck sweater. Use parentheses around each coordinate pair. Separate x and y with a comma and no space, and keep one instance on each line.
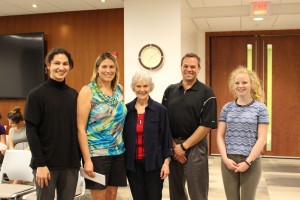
(51,128)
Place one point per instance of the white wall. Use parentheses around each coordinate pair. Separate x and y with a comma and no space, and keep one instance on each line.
(168,24)
(155,22)
(201,53)
(192,40)
(189,40)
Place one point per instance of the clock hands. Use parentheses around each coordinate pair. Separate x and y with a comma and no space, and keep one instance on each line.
(151,56)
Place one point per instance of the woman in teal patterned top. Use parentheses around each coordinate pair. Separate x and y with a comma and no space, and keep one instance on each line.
(100,115)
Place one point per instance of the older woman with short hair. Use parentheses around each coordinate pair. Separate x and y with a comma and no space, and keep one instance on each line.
(148,141)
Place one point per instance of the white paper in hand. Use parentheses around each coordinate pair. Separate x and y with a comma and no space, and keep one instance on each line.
(99,178)
(3,146)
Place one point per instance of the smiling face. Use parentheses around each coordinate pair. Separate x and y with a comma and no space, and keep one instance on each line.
(59,67)
(242,85)
(142,89)
(190,69)
(107,70)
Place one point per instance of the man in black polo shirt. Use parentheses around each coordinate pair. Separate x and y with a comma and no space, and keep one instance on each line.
(192,111)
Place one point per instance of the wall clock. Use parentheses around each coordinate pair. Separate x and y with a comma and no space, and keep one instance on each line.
(151,56)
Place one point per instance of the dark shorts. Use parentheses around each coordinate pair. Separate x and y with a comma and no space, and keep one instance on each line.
(114,169)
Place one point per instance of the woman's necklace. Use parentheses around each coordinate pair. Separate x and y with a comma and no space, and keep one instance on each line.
(109,100)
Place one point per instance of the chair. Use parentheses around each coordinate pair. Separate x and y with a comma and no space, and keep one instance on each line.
(80,190)
(16,166)
(7,142)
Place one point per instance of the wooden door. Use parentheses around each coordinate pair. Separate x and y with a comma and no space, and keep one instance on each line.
(284,138)
(229,52)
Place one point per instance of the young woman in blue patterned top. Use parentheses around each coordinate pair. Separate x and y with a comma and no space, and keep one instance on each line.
(242,134)
(100,115)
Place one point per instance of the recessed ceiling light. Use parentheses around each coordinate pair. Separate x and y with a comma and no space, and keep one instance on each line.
(102,1)
(258,19)
(34,5)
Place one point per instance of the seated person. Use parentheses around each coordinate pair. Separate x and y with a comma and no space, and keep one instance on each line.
(17,132)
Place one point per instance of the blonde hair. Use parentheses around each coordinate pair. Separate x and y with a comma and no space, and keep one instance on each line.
(142,76)
(95,76)
(256,90)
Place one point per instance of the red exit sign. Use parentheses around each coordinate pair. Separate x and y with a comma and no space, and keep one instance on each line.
(260,9)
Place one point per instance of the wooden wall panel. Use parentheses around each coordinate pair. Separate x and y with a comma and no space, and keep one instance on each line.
(86,34)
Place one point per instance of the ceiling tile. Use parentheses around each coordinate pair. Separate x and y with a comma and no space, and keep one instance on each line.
(18,7)
(107,5)
(247,2)
(290,1)
(9,9)
(247,23)
(202,25)
(195,3)
(212,3)
(43,7)
(224,23)
(70,5)
(287,22)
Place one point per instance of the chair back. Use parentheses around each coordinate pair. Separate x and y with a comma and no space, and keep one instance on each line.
(16,165)
(80,188)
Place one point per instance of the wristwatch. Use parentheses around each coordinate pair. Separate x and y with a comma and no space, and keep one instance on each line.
(249,163)
(182,147)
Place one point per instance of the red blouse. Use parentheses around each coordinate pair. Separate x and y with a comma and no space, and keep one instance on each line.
(139,137)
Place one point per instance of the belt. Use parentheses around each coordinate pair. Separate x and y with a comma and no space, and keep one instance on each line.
(180,138)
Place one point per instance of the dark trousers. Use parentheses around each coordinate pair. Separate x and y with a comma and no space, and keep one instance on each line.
(145,185)
(64,181)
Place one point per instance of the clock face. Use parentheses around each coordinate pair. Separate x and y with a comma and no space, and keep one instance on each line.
(151,56)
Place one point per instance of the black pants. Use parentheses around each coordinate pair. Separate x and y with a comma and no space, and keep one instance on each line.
(145,185)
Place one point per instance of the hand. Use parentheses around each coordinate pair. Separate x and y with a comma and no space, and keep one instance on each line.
(182,159)
(242,167)
(178,150)
(165,171)
(89,169)
(230,164)
(42,176)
